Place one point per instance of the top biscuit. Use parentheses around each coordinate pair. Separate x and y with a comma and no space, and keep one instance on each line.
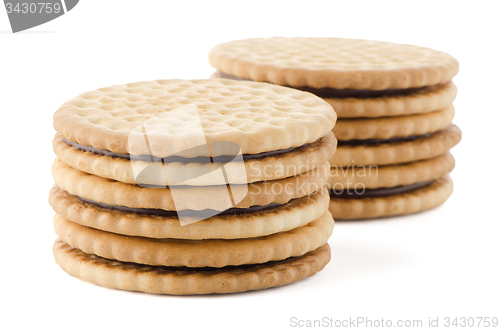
(333,63)
(257,117)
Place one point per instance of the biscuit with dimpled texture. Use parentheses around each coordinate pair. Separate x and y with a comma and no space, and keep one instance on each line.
(187,281)
(257,117)
(408,102)
(333,63)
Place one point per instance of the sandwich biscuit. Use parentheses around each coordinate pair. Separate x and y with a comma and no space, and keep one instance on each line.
(192,187)
(394,104)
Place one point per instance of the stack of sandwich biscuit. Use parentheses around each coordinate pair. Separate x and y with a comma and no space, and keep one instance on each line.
(394,104)
(192,187)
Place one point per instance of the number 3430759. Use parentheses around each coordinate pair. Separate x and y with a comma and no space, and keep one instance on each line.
(471,322)
(33,7)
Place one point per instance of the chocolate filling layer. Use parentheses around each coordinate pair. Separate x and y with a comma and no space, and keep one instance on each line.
(344,93)
(372,142)
(175,158)
(377,192)
(186,213)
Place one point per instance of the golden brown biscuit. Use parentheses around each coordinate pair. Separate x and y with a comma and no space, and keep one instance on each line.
(423,100)
(196,253)
(393,127)
(293,214)
(333,63)
(399,204)
(394,104)
(391,175)
(407,102)
(269,168)
(115,193)
(248,159)
(187,281)
(257,117)
(421,148)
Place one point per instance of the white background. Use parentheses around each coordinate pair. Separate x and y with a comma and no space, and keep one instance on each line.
(440,263)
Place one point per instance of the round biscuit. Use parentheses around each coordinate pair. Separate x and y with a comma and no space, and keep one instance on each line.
(116,193)
(269,168)
(215,253)
(422,100)
(414,101)
(415,201)
(187,281)
(393,127)
(333,63)
(372,177)
(398,152)
(170,117)
(293,214)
